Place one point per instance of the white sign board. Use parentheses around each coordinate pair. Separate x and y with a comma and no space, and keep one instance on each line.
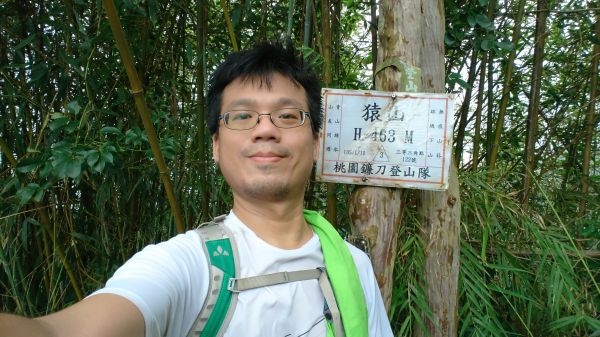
(386,139)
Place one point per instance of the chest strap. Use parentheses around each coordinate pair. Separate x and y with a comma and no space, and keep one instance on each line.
(237,285)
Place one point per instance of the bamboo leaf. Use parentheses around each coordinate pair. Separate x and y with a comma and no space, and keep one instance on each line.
(25,42)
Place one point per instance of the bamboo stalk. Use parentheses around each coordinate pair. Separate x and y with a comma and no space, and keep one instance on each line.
(477,136)
(589,121)
(291,6)
(307,23)
(229,25)
(6,150)
(508,82)
(531,136)
(201,30)
(327,79)
(58,250)
(138,95)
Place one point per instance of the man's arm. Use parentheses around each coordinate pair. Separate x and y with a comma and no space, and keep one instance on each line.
(102,315)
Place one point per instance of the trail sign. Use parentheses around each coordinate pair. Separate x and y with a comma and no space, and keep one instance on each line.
(385,138)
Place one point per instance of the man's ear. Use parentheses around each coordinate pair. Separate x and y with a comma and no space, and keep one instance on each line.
(215,147)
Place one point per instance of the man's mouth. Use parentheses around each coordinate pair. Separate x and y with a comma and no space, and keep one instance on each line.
(266,157)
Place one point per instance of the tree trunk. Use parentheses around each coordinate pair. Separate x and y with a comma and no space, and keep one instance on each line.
(589,121)
(440,210)
(376,212)
(534,100)
(507,85)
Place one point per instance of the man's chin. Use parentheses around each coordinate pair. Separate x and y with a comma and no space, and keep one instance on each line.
(268,189)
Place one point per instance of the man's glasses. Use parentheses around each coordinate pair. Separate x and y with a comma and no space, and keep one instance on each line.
(247,119)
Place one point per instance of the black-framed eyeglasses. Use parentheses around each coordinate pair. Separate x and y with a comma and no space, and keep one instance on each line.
(248,119)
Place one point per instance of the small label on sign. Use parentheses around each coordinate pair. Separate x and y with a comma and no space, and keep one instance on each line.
(386,138)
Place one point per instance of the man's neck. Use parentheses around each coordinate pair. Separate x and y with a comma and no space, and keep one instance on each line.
(280,224)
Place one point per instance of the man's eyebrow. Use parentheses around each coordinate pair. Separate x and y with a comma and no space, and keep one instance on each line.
(288,101)
(251,102)
(241,102)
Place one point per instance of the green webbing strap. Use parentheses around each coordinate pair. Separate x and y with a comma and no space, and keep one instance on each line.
(410,80)
(343,276)
(221,256)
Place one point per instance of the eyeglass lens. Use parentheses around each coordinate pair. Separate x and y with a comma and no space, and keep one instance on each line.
(248,119)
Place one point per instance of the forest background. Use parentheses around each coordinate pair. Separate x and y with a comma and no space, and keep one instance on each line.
(80,191)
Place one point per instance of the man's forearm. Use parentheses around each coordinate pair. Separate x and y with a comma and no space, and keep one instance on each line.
(19,326)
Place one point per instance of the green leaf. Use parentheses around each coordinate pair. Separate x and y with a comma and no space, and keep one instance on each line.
(455,78)
(56,115)
(25,42)
(110,129)
(483,2)
(484,22)
(135,136)
(28,164)
(595,39)
(67,165)
(71,126)
(73,107)
(449,39)
(45,170)
(39,194)
(38,71)
(471,20)
(486,44)
(82,237)
(58,123)
(26,193)
(107,156)
(99,167)
(92,157)
(508,46)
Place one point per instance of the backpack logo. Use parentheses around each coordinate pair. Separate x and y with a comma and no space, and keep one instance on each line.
(219,251)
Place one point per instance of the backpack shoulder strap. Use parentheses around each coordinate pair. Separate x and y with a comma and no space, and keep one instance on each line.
(221,253)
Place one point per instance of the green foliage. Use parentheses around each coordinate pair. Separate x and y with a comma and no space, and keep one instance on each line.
(85,170)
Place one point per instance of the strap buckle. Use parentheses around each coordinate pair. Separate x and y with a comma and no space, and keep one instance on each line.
(232,285)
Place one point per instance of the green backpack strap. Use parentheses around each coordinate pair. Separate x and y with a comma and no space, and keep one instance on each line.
(224,282)
(223,258)
(343,276)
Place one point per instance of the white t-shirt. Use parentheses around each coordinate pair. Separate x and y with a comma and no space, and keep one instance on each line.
(168,282)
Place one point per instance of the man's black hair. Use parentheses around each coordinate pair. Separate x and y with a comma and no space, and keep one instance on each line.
(262,61)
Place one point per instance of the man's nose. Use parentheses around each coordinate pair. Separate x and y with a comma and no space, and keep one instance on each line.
(265,129)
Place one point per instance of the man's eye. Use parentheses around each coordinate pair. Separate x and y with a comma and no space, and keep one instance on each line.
(288,115)
(241,116)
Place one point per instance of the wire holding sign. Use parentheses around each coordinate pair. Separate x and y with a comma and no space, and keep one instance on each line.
(385,138)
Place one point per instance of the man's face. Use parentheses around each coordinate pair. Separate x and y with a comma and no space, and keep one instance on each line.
(266,162)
